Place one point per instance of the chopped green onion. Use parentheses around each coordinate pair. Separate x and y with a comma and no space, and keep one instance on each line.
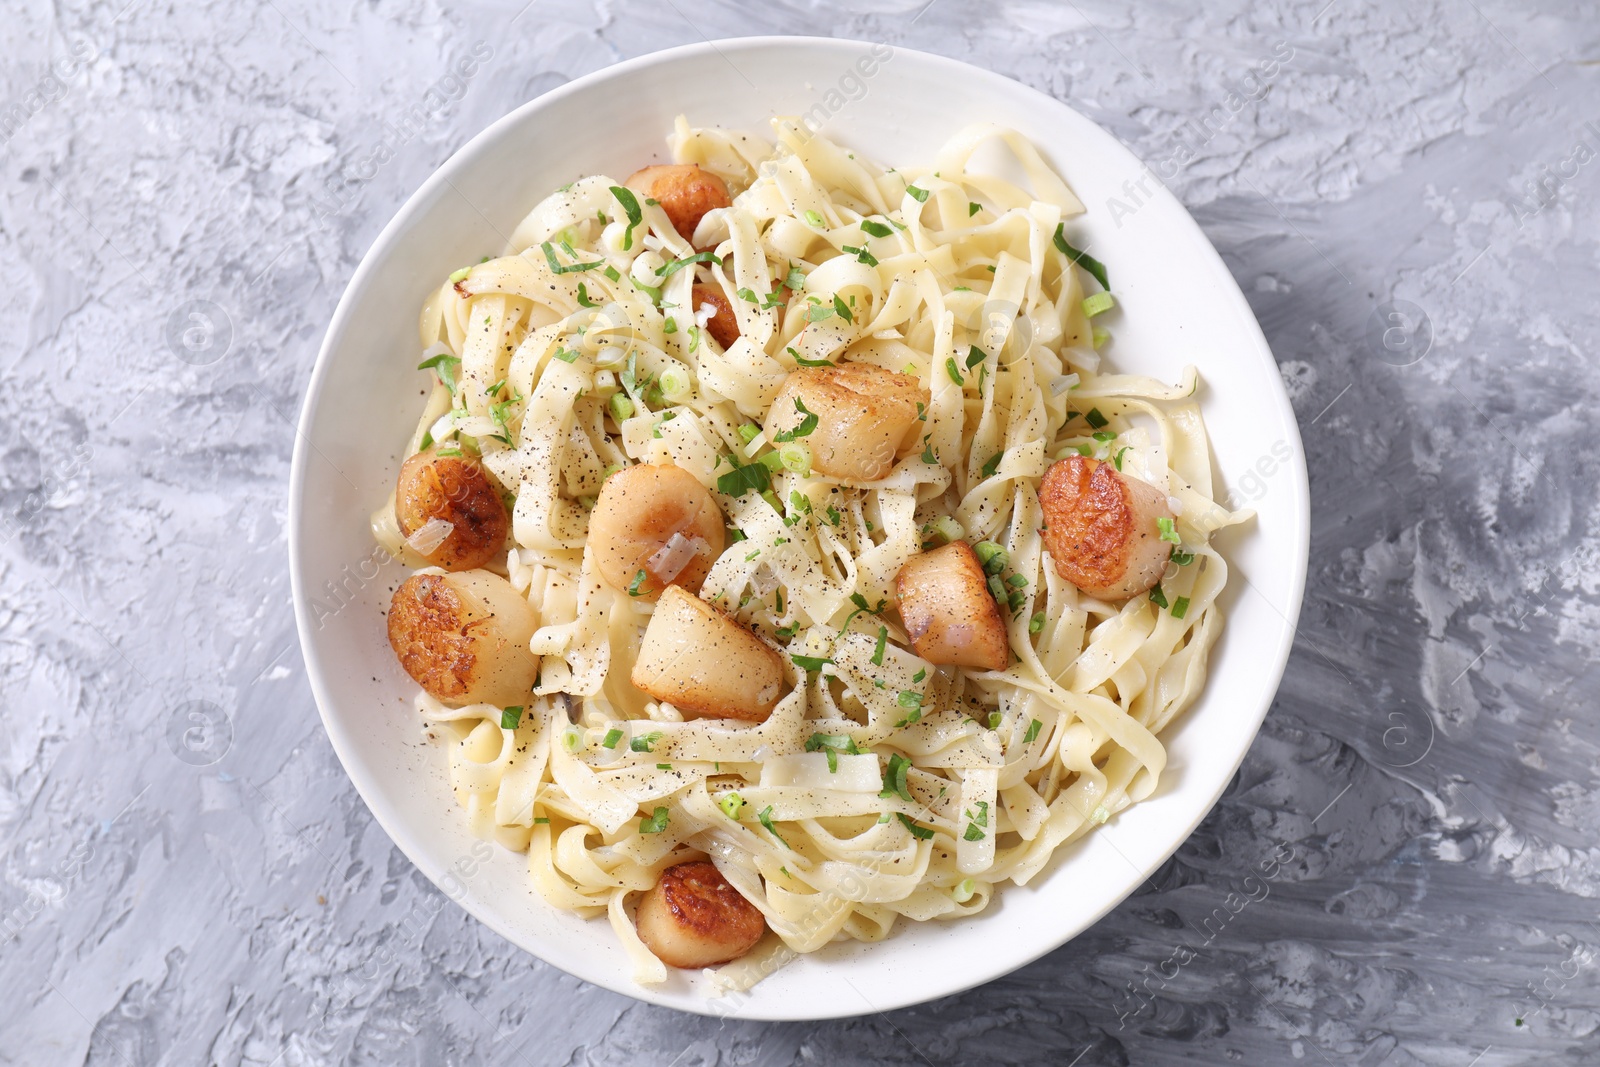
(1016,581)
(815,219)
(796,458)
(1082,259)
(749,432)
(1169,531)
(1095,419)
(731,804)
(511,717)
(675,383)
(993,465)
(634,587)
(876,229)
(670,326)
(1117,459)
(1034,726)
(1182,558)
(566,355)
(1036,623)
(571,740)
(963,891)
(928,455)
(655,823)
(975,356)
(1180,607)
(1098,338)
(810,663)
(1157,597)
(952,370)
(1098,304)
(611,738)
(992,557)
(919,195)
(642,744)
(920,675)
(583,297)
(460,275)
(621,406)
(883,643)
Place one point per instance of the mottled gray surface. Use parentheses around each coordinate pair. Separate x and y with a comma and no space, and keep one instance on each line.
(1431,763)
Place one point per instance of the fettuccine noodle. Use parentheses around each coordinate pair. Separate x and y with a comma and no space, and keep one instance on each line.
(932,785)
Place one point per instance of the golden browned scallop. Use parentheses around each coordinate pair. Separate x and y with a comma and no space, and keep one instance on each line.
(694,918)
(685,192)
(722,326)
(949,613)
(464,637)
(865,415)
(658,521)
(449,511)
(1101,528)
(705,664)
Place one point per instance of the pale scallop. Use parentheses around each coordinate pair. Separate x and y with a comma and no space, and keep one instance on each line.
(705,664)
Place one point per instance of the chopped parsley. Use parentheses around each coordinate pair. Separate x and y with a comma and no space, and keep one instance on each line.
(919,195)
(807,425)
(630,204)
(1082,259)
(973,208)
(557,268)
(643,744)
(668,269)
(1095,419)
(635,585)
(765,815)
(654,823)
(511,717)
(953,370)
(810,663)
(1157,597)
(883,643)
(894,779)
(875,229)
(1182,558)
(742,480)
(804,362)
(832,744)
(921,833)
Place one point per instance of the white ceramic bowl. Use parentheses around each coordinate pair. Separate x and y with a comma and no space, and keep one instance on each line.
(1179,306)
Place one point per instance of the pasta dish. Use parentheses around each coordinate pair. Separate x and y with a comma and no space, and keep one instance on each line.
(788,562)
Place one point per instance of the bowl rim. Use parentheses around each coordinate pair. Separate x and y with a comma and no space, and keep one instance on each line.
(975,972)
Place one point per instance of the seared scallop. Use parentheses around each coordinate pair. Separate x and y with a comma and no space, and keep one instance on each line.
(705,664)
(685,192)
(722,326)
(864,416)
(1102,529)
(464,637)
(948,611)
(449,511)
(654,525)
(694,918)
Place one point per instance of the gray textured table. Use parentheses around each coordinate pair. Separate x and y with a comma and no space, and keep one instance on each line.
(1408,199)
